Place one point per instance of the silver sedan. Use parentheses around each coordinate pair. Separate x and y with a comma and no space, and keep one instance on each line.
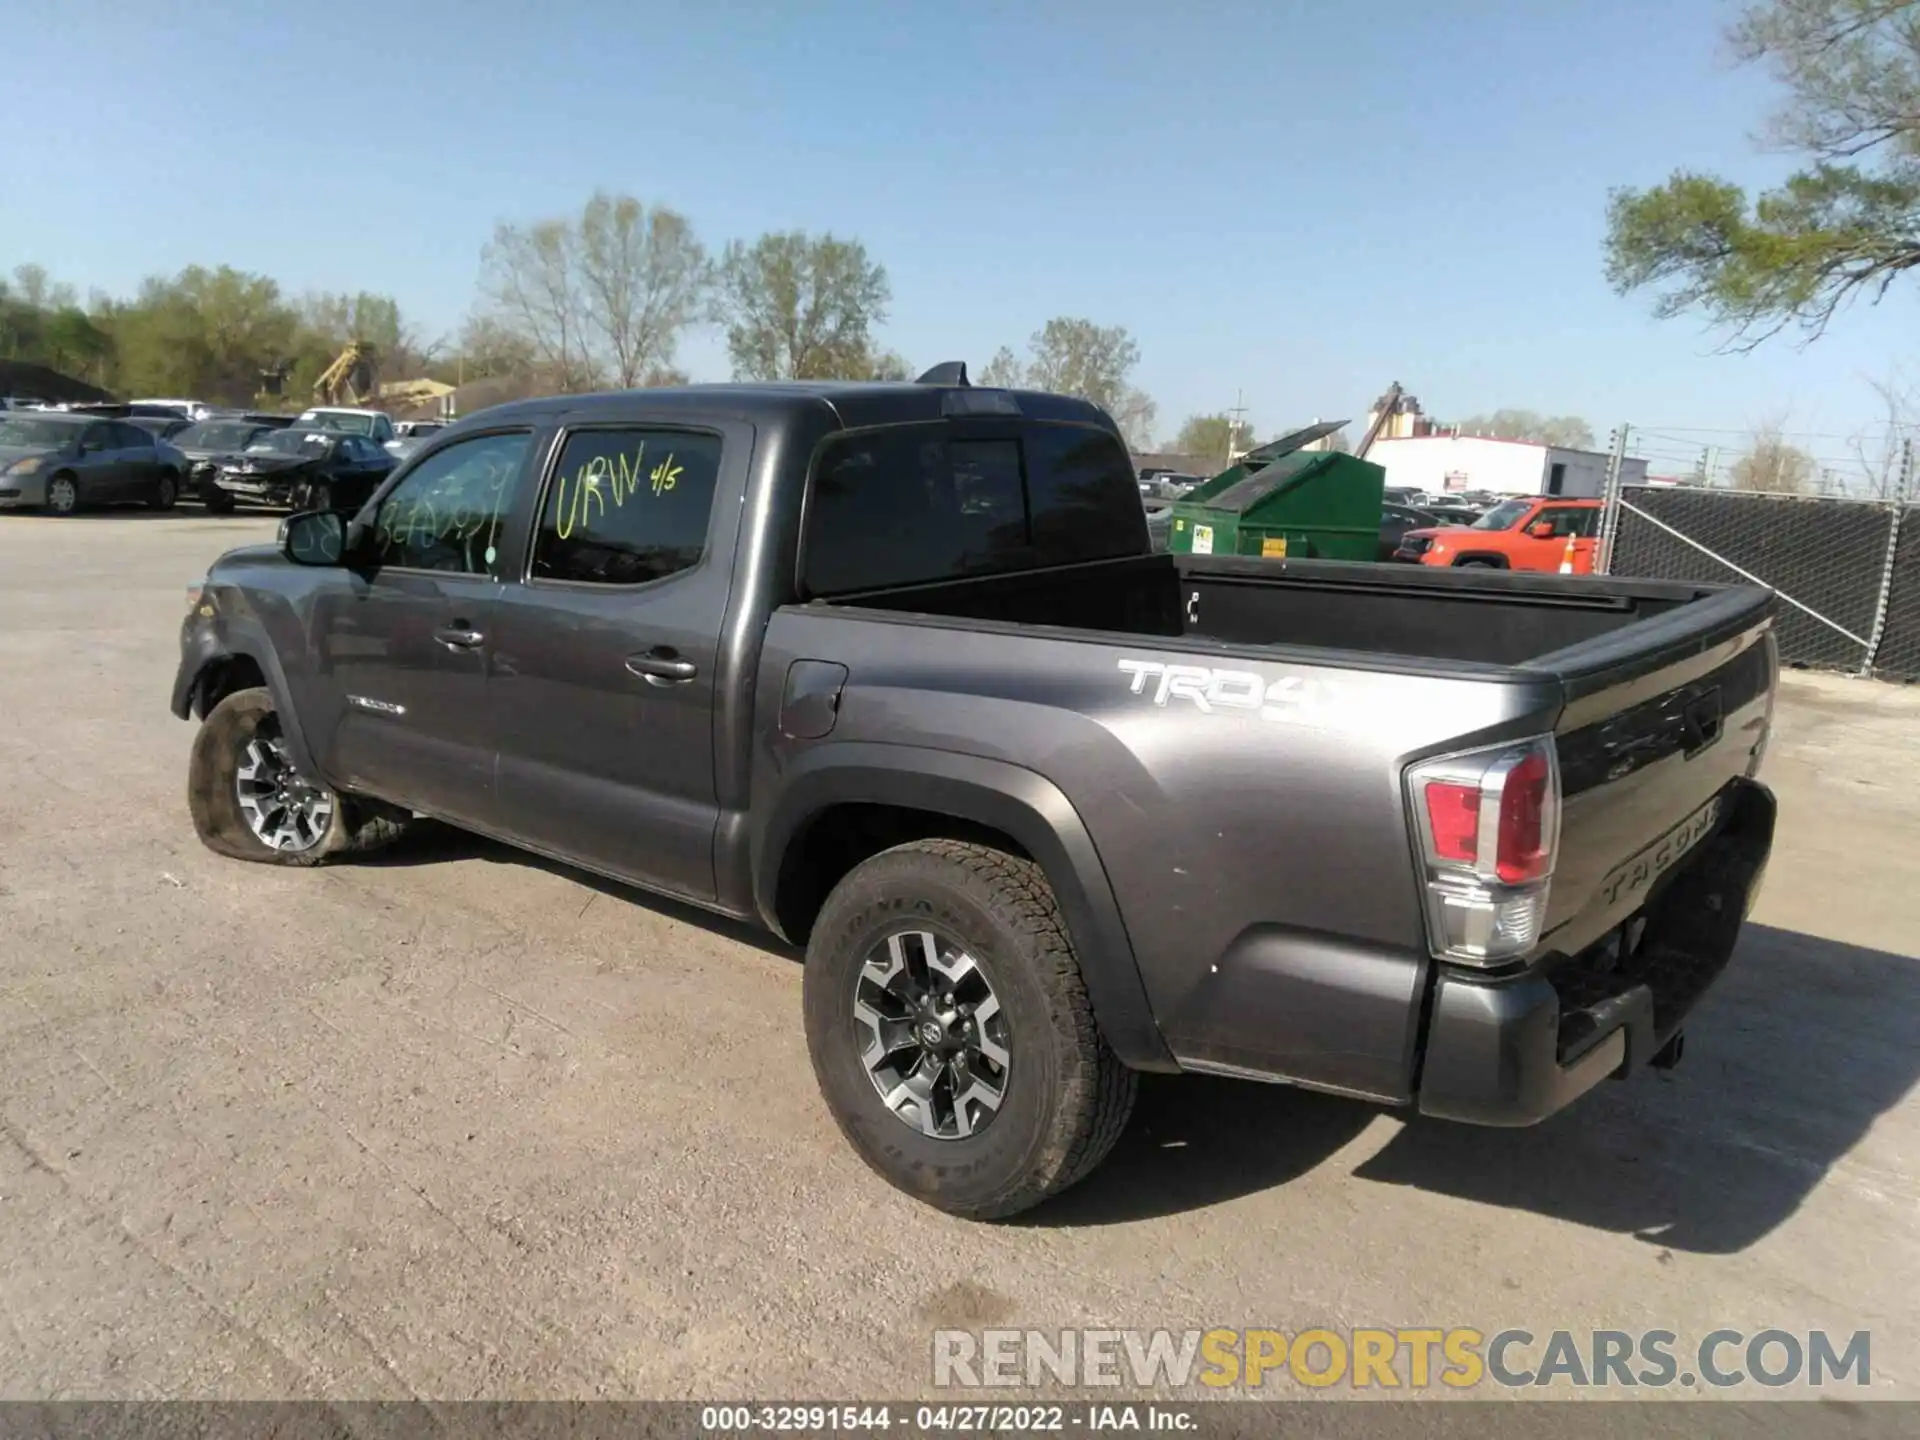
(60,462)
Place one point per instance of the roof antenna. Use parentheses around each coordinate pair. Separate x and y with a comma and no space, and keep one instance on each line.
(951,372)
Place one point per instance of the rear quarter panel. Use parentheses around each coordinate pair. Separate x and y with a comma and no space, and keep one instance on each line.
(1231,800)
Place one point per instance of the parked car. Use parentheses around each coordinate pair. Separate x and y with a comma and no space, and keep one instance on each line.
(1448,514)
(301,469)
(185,409)
(1045,809)
(1395,521)
(375,425)
(63,462)
(160,427)
(1519,534)
(209,444)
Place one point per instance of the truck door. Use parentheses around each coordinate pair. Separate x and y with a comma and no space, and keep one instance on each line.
(1564,522)
(603,687)
(399,651)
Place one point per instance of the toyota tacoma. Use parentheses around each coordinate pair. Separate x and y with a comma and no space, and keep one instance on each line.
(893,671)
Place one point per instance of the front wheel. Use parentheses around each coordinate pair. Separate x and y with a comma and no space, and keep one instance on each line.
(249,803)
(63,495)
(951,1032)
(216,500)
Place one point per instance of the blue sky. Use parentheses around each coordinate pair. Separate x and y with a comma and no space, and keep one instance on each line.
(1302,201)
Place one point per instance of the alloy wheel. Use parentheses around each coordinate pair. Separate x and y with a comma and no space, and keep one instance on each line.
(932,1036)
(282,810)
(63,495)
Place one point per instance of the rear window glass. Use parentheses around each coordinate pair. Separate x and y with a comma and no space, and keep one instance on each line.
(915,503)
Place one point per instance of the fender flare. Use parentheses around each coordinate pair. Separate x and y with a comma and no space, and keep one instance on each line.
(1005,797)
(208,648)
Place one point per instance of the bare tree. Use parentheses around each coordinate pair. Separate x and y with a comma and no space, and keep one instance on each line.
(1003,372)
(1880,456)
(644,276)
(801,307)
(1774,465)
(1568,431)
(530,277)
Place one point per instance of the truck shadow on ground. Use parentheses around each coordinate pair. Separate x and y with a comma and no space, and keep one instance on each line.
(1803,1046)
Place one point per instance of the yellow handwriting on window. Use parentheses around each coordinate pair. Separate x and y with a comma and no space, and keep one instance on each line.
(607,482)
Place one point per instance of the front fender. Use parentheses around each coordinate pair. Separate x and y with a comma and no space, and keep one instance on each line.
(206,645)
(1015,801)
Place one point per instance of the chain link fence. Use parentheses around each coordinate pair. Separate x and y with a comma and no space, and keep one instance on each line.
(1845,570)
(1897,657)
(1825,559)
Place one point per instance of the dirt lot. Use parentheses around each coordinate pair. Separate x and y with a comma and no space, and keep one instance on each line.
(463,1124)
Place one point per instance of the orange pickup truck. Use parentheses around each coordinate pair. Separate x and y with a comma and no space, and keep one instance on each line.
(1525,533)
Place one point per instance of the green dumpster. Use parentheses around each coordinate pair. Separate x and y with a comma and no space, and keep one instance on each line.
(1281,500)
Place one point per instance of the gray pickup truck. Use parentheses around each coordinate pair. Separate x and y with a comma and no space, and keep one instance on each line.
(892,670)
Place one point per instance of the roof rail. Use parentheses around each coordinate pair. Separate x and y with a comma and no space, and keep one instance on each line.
(950,372)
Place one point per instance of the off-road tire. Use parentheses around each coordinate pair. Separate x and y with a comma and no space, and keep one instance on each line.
(1068,1095)
(357,825)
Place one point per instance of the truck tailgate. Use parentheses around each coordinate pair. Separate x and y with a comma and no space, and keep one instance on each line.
(1660,719)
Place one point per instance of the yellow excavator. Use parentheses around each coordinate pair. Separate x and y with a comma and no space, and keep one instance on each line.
(352,379)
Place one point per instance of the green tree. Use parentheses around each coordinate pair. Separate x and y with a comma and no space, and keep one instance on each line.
(1846,224)
(1071,356)
(1215,437)
(801,307)
(1567,430)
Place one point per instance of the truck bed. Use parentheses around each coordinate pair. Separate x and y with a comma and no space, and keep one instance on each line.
(1478,617)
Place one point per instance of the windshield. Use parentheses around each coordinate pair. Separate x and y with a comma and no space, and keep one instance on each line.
(339,422)
(289,442)
(1503,515)
(218,435)
(17,430)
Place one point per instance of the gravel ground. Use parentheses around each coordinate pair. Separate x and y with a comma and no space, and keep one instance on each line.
(463,1124)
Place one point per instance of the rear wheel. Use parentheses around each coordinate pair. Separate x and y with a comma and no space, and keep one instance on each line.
(951,1032)
(63,495)
(248,801)
(1475,565)
(166,491)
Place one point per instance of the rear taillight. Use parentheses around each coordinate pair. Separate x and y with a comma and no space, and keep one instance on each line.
(1487,824)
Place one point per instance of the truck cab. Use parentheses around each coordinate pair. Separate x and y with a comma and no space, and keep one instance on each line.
(1524,533)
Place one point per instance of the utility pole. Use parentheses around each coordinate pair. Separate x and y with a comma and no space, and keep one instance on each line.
(1234,449)
(1610,508)
(1903,490)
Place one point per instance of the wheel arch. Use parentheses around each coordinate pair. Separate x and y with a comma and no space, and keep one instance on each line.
(840,804)
(215,670)
(1483,557)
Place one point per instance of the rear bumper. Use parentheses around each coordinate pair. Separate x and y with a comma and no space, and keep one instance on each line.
(1513,1052)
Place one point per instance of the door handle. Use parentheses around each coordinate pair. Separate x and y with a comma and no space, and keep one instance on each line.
(663,665)
(458,637)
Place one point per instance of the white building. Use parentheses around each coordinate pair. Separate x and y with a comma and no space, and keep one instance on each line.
(1441,464)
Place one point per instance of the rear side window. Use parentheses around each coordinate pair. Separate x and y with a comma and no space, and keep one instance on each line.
(627,506)
(913,503)
(1567,520)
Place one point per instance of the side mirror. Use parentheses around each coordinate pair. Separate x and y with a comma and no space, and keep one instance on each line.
(314,537)
(1541,529)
